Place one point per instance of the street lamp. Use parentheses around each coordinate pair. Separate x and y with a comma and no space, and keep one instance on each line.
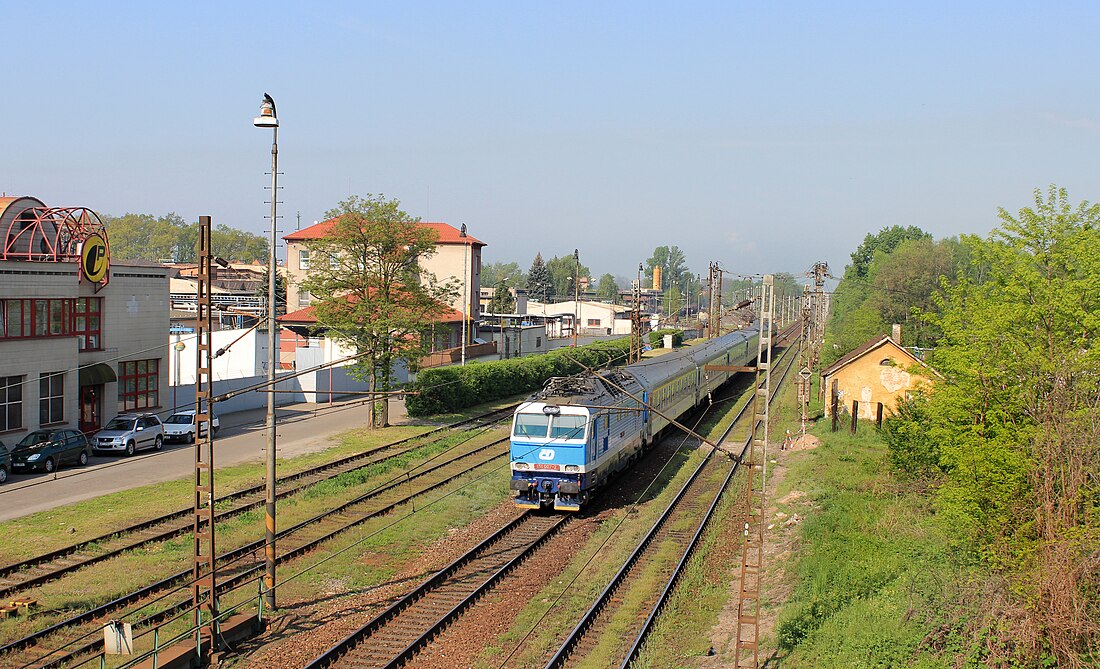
(465,288)
(268,119)
(576,296)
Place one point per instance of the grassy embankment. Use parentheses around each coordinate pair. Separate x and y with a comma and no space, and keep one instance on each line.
(875,584)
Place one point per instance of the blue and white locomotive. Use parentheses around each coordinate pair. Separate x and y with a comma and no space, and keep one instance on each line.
(570,437)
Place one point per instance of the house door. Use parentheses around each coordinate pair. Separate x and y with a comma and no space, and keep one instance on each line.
(91,408)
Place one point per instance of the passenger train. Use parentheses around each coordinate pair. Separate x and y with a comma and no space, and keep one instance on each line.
(570,437)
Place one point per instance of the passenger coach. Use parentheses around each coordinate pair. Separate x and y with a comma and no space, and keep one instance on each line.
(570,437)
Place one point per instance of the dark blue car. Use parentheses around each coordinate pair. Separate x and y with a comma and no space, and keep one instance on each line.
(47,450)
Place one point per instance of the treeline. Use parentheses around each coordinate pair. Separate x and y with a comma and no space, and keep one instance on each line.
(1009,438)
(553,280)
(169,237)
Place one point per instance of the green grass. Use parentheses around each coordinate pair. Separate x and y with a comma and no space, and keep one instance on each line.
(874,567)
(62,526)
(100,583)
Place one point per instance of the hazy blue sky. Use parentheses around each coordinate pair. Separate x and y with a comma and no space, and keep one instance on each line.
(762,135)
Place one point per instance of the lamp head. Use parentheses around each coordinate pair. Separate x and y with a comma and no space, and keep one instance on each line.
(462,231)
(267,117)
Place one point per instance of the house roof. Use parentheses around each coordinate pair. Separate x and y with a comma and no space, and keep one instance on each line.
(871,345)
(308,315)
(448,234)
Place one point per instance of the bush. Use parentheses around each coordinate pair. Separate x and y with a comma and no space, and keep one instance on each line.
(657,337)
(445,389)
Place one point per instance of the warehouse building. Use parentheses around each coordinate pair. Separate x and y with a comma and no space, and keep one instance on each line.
(81,338)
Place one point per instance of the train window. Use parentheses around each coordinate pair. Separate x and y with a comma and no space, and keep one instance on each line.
(531,425)
(567,427)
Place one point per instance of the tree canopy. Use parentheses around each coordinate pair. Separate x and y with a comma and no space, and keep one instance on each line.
(169,237)
(673,264)
(539,286)
(563,272)
(608,289)
(492,273)
(1012,434)
(369,290)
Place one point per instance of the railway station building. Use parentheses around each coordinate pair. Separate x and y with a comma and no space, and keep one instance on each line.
(877,374)
(82,338)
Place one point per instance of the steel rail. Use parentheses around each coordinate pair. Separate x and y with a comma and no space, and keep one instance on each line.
(559,658)
(12,572)
(689,551)
(230,557)
(340,651)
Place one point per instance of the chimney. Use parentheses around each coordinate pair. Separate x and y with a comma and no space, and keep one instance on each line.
(896,333)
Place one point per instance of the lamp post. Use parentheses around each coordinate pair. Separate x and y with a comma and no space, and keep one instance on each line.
(268,119)
(177,347)
(576,295)
(465,288)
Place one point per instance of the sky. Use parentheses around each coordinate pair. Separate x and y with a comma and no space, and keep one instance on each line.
(764,136)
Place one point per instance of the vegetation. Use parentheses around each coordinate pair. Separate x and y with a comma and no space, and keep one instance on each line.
(169,237)
(1005,449)
(442,389)
(563,273)
(494,272)
(502,302)
(607,289)
(657,337)
(369,290)
(893,278)
(539,287)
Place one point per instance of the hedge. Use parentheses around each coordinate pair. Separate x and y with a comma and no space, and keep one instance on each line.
(657,337)
(446,389)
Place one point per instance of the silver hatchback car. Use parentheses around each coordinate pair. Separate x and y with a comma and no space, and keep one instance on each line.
(129,433)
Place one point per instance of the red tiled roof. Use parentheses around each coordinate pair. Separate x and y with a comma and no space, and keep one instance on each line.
(448,234)
(309,315)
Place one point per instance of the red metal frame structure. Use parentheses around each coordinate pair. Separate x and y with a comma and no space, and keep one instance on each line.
(50,234)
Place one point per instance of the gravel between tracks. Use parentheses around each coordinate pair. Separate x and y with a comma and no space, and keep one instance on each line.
(304,630)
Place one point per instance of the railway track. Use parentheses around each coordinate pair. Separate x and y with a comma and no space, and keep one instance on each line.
(680,526)
(395,635)
(77,638)
(40,569)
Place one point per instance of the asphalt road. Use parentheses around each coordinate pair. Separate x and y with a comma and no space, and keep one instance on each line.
(301,428)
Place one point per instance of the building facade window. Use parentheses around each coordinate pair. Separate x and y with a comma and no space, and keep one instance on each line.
(51,398)
(593,322)
(11,403)
(303,297)
(138,384)
(87,323)
(34,318)
(303,259)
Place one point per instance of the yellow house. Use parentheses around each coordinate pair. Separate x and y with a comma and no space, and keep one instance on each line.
(879,372)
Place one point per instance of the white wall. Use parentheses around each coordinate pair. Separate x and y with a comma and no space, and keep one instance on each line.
(245,358)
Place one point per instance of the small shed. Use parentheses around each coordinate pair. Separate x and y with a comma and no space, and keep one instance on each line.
(879,372)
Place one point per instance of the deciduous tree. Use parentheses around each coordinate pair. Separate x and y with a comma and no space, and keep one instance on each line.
(369,290)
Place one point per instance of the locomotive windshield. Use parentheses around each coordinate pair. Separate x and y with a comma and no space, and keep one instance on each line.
(531,425)
(567,427)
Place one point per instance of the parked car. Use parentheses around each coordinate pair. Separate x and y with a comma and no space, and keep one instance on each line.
(181,426)
(5,462)
(49,449)
(128,433)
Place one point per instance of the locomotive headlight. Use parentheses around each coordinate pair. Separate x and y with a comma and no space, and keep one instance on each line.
(572,468)
(521,466)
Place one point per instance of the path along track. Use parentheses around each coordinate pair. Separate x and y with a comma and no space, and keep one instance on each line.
(75,638)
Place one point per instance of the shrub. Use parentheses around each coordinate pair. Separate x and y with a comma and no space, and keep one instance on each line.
(657,337)
(445,389)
